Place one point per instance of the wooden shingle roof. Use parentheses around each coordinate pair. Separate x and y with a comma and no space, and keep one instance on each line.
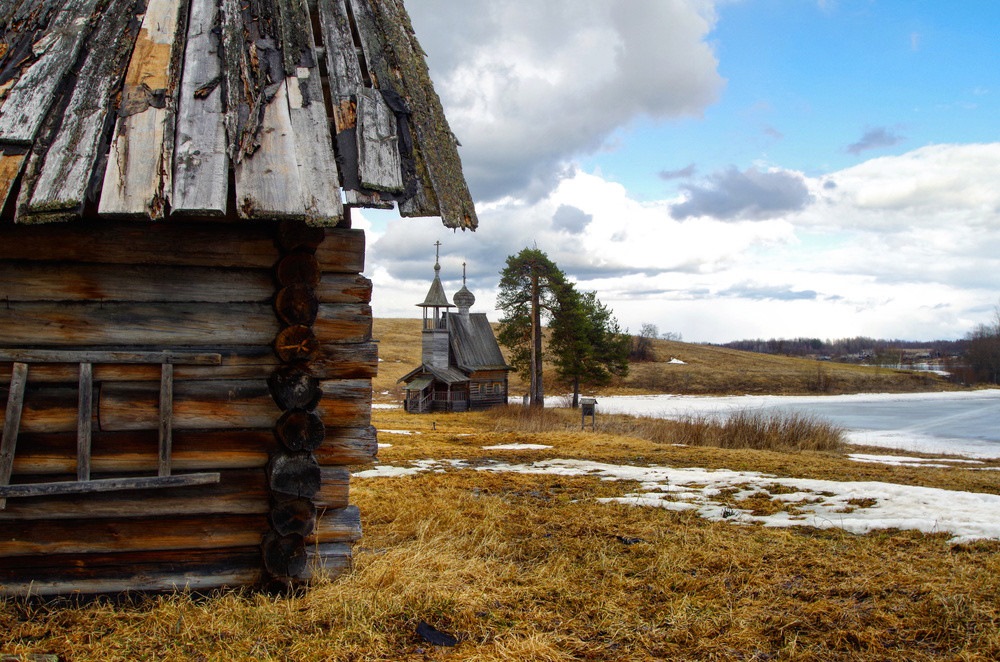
(253,109)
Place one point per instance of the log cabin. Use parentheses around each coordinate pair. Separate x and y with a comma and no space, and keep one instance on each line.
(461,365)
(186,345)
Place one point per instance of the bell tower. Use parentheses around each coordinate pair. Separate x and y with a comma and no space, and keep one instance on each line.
(435,333)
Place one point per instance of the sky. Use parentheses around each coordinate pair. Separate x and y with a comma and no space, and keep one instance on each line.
(722,169)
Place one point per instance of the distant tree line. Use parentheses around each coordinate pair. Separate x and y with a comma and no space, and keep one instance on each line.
(982,354)
(860,348)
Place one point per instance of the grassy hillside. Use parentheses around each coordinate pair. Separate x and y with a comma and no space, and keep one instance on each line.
(555,566)
(682,368)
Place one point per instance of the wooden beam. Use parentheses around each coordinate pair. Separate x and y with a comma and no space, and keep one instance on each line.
(85,413)
(332,361)
(181,244)
(166,418)
(97,356)
(11,423)
(107,485)
(135,453)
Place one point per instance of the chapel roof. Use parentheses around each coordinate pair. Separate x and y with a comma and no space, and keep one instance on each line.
(220,109)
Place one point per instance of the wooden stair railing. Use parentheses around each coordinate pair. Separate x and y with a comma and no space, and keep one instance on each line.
(22,358)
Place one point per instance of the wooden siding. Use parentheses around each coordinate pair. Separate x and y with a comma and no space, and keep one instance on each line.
(84,292)
(211,109)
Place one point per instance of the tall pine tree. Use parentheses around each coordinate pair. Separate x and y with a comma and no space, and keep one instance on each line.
(588,346)
(531,288)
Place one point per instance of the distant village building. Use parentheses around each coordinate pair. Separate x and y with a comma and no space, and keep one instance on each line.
(461,366)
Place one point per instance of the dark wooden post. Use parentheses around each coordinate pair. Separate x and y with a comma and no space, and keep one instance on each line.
(588,407)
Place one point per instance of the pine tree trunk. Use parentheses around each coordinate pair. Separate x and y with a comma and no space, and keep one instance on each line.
(576,392)
(537,390)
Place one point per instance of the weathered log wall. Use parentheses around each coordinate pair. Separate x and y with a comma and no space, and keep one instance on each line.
(193,287)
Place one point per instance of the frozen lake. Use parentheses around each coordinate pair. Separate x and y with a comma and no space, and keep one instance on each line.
(966,423)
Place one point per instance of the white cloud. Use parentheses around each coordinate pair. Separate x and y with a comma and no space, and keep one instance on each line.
(528,85)
(904,246)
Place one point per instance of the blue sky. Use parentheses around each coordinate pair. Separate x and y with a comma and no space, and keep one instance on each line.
(730,169)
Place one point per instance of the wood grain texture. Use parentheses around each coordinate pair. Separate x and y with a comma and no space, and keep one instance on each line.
(318,172)
(332,361)
(201,164)
(179,570)
(60,178)
(139,174)
(379,163)
(173,244)
(235,492)
(89,536)
(27,103)
(11,423)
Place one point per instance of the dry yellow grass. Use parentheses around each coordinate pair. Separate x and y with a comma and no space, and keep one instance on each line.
(533,567)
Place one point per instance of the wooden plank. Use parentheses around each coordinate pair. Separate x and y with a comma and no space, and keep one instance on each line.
(138,178)
(181,570)
(36,281)
(268,184)
(242,492)
(179,325)
(94,356)
(166,418)
(346,81)
(107,485)
(197,406)
(218,405)
(84,426)
(11,423)
(178,244)
(379,163)
(332,361)
(28,101)
(59,189)
(77,323)
(134,453)
(201,165)
(89,536)
(319,180)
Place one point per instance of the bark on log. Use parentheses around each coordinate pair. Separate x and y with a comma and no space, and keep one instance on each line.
(295,387)
(293,517)
(299,268)
(297,304)
(294,474)
(284,556)
(300,430)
